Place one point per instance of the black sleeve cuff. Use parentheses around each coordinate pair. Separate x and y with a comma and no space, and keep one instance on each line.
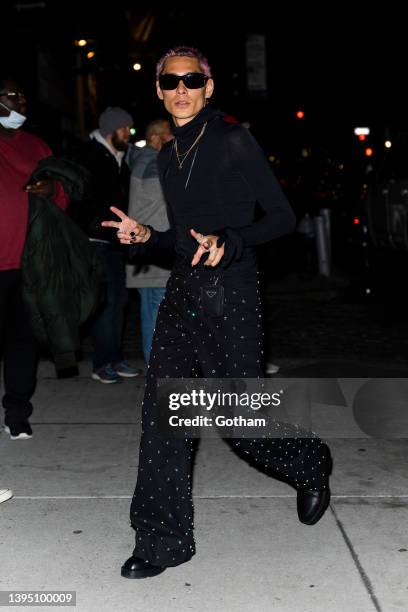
(233,245)
(140,249)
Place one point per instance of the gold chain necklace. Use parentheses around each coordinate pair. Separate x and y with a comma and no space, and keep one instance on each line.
(181,157)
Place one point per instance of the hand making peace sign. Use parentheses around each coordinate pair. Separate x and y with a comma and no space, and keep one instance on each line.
(208,244)
(129,231)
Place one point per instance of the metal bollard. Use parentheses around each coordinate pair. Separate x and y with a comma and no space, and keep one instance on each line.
(325,213)
(322,245)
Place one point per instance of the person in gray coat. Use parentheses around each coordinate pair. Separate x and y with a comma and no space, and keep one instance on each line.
(147,203)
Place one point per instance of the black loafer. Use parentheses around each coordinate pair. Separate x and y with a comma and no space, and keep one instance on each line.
(311,505)
(139,568)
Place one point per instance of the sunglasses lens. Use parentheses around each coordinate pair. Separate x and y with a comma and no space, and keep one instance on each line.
(168,81)
(192,80)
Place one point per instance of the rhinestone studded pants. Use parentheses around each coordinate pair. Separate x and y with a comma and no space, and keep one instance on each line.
(226,346)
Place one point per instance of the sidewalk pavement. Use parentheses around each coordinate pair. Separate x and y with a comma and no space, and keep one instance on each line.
(67,527)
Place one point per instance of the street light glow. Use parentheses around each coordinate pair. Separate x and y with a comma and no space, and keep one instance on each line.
(363,131)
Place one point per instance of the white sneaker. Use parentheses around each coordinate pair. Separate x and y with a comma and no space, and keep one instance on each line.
(271,368)
(5,494)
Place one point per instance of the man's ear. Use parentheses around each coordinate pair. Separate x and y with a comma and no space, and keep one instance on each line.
(159,91)
(209,89)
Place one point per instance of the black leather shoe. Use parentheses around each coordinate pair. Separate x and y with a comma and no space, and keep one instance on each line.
(311,505)
(139,568)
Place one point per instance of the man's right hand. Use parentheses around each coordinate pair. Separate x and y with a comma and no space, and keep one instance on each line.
(128,230)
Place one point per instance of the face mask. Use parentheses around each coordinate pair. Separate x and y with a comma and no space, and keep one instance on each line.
(13,121)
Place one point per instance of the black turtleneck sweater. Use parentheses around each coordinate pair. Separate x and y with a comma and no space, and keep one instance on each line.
(217,188)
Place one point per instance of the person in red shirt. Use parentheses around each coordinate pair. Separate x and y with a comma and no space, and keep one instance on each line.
(20,153)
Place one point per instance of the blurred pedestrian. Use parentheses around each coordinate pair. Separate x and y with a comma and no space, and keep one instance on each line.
(103,156)
(147,204)
(20,153)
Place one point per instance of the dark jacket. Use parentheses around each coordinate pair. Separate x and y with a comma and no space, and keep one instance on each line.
(61,281)
(110,187)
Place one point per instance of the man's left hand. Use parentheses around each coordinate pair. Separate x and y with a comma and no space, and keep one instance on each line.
(208,244)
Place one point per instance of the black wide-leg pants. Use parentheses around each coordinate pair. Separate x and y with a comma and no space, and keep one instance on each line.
(225,346)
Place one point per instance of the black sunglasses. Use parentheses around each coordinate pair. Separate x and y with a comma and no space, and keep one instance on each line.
(192,80)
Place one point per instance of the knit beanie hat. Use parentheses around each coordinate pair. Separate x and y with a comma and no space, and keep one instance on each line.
(112,119)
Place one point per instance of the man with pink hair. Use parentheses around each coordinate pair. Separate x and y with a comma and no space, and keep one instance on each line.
(209,323)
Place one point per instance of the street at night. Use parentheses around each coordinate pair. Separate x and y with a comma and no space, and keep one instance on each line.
(203,209)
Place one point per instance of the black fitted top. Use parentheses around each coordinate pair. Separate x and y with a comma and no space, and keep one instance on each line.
(216,191)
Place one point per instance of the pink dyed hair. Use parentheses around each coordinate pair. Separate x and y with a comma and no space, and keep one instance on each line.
(184,52)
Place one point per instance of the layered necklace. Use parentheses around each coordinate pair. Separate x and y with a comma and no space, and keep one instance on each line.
(181,157)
